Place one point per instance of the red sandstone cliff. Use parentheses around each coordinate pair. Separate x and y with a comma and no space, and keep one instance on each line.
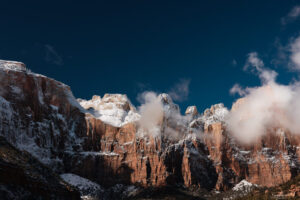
(101,139)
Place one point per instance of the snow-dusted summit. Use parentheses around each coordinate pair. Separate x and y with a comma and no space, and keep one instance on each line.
(114,109)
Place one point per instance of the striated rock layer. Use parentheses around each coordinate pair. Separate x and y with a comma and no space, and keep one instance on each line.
(101,139)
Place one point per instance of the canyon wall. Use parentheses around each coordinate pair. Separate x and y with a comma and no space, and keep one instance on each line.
(102,140)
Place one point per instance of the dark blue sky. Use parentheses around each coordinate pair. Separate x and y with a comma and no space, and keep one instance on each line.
(131,46)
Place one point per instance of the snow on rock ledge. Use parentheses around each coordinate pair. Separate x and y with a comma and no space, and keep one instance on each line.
(87,188)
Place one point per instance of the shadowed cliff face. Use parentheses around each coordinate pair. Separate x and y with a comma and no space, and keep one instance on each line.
(105,142)
(24,177)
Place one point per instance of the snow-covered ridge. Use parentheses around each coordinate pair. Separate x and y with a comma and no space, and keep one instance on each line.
(114,109)
(117,110)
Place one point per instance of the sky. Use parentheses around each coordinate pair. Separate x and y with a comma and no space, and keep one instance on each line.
(194,50)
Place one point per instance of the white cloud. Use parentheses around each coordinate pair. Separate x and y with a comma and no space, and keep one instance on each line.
(256,65)
(180,91)
(160,117)
(237,89)
(281,54)
(291,16)
(151,112)
(289,54)
(253,61)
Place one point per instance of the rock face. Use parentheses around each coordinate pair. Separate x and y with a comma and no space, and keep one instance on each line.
(38,114)
(101,139)
(24,177)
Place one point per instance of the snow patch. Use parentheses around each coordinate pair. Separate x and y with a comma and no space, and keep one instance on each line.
(244,186)
(100,153)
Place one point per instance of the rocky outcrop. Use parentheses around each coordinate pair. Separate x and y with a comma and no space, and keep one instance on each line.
(101,139)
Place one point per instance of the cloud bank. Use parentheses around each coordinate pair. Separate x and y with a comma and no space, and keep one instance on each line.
(264,108)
